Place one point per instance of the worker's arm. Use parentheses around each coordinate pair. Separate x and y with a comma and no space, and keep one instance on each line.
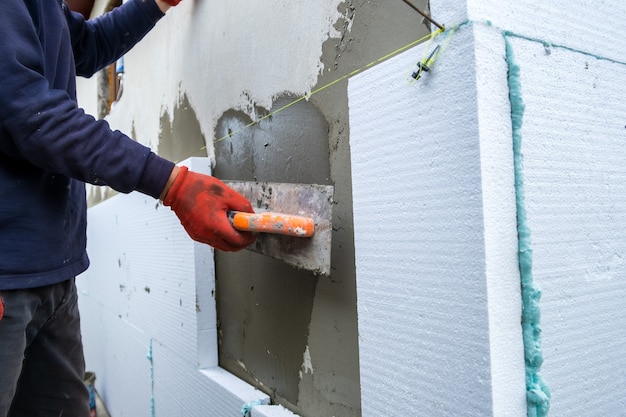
(202,202)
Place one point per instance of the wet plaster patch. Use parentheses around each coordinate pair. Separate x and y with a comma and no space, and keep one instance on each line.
(264,305)
(181,135)
(290,145)
(263,318)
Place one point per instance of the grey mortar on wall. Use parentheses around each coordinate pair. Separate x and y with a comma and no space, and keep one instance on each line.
(264,306)
(181,137)
(290,333)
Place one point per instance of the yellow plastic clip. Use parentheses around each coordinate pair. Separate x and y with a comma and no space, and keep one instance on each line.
(426,63)
(423,65)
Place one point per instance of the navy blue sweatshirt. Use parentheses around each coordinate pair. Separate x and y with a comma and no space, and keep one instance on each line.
(49,147)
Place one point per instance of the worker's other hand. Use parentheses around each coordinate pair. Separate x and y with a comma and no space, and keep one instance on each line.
(201,202)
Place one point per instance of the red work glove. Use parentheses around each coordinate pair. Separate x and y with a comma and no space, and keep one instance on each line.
(172,2)
(201,202)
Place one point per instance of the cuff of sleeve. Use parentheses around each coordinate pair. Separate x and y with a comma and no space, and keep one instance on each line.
(155,175)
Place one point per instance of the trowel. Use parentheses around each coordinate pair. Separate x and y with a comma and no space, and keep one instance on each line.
(293,222)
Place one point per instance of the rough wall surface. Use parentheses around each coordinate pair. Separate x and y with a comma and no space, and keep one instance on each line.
(209,66)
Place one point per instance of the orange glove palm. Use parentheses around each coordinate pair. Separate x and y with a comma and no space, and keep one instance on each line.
(201,203)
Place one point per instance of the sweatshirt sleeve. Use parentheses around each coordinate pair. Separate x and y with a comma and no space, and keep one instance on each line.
(40,121)
(101,41)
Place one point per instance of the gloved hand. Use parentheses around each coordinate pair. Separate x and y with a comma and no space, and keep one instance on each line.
(201,202)
(172,2)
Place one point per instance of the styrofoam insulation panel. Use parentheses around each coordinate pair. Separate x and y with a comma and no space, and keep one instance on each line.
(431,272)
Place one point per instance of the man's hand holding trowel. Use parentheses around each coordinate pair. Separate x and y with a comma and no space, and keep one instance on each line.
(211,212)
(202,203)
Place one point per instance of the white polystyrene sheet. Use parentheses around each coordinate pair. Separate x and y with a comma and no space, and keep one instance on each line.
(422,239)
(148,314)
(573,136)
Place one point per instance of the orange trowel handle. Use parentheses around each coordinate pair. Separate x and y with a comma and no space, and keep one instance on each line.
(277,223)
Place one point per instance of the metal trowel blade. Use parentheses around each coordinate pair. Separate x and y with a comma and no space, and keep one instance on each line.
(307,200)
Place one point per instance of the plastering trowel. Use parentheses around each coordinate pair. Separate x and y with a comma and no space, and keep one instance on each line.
(293,221)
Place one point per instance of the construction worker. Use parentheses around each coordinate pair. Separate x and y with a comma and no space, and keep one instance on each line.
(49,149)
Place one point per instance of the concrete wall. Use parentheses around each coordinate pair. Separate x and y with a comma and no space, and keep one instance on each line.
(497,193)
(208,67)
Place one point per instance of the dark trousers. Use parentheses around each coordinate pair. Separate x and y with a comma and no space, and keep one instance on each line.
(41,354)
